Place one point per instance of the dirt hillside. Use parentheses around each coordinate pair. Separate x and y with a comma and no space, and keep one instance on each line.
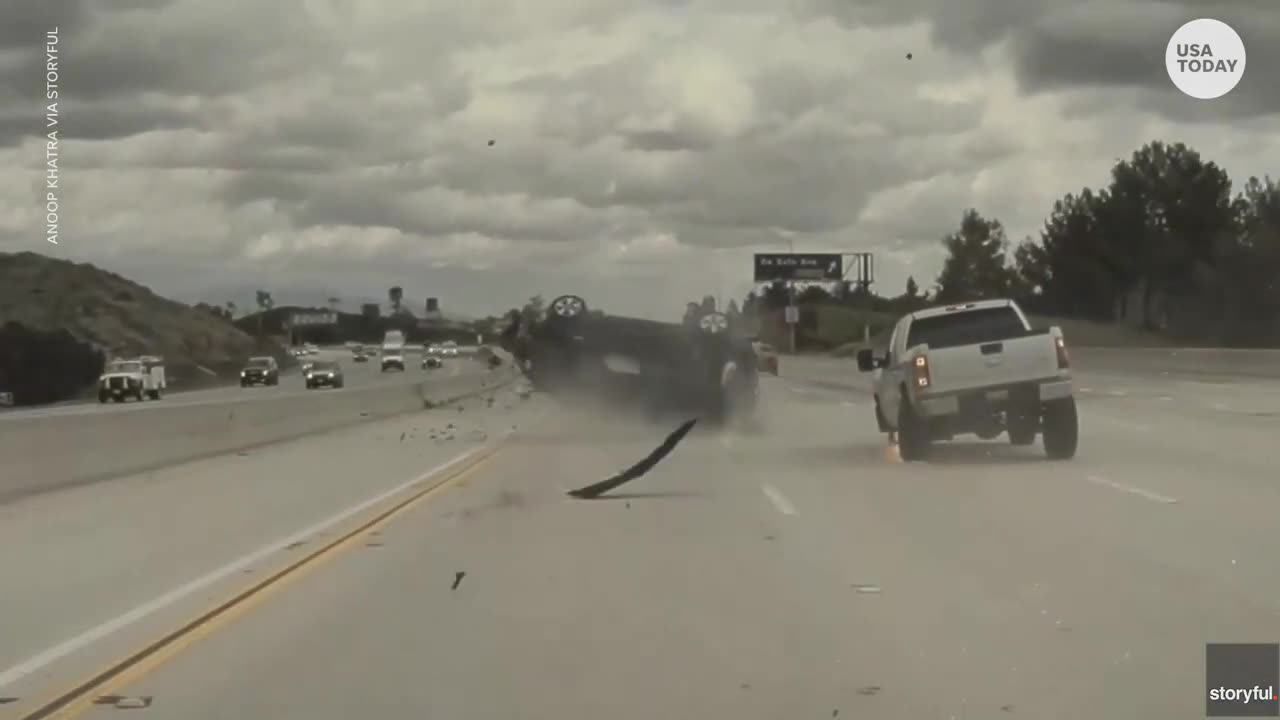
(122,317)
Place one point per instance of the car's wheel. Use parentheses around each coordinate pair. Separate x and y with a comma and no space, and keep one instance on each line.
(714,324)
(913,434)
(1061,429)
(568,307)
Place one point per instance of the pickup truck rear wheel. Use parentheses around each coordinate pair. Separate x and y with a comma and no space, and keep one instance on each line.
(913,434)
(1061,429)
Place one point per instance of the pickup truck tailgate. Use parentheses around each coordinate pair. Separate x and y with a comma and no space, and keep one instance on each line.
(1001,362)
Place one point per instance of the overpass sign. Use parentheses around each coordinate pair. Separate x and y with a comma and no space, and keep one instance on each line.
(812,267)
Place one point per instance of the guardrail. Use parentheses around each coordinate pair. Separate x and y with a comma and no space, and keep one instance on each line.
(1209,363)
(45,453)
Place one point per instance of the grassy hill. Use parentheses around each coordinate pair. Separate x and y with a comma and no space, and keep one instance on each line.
(122,317)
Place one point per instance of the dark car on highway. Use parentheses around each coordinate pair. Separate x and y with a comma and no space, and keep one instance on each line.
(260,371)
(324,374)
(700,366)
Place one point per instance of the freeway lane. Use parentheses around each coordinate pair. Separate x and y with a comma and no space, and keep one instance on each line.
(358,376)
(795,572)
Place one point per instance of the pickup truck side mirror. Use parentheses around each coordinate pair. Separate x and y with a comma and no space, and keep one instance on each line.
(867,360)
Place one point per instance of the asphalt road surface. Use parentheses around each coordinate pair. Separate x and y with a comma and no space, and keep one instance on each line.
(795,571)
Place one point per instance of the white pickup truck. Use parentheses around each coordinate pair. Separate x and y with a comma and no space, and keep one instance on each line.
(139,378)
(978,368)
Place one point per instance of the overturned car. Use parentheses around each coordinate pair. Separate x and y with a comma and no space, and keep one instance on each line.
(699,366)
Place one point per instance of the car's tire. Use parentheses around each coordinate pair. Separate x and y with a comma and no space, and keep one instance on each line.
(567,308)
(913,434)
(1061,429)
(714,324)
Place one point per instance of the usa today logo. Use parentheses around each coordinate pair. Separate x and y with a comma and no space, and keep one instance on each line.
(1205,58)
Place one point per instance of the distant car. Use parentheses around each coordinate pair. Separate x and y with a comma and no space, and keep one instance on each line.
(360,358)
(298,352)
(431,362)
(766,358)
(324,374)
(260,371)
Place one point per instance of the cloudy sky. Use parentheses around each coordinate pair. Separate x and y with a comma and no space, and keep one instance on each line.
(640,151)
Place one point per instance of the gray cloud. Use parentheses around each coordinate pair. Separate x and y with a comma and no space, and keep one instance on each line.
(339,143)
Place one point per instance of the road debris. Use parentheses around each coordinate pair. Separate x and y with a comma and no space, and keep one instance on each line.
(124,702)
(594,491)
(457,579)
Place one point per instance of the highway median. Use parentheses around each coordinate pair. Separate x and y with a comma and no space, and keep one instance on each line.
(46,453)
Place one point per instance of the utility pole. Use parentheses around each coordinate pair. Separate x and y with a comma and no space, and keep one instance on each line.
(792,319)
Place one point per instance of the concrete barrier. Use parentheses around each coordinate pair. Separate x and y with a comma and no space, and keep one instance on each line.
(1188,362)
(842,372)
(44,453)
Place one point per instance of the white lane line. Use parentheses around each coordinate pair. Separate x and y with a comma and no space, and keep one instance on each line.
(799,390)
(1140,492)
(94,634)
(780,501)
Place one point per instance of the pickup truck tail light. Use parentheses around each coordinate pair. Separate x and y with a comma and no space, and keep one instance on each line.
(1064,359)
(920,372)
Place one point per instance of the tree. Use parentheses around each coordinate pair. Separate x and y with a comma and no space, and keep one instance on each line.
(976,266)
(776,296)
(913,290)
(231,309)
(533,309)
(1170,211)
(395,295)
